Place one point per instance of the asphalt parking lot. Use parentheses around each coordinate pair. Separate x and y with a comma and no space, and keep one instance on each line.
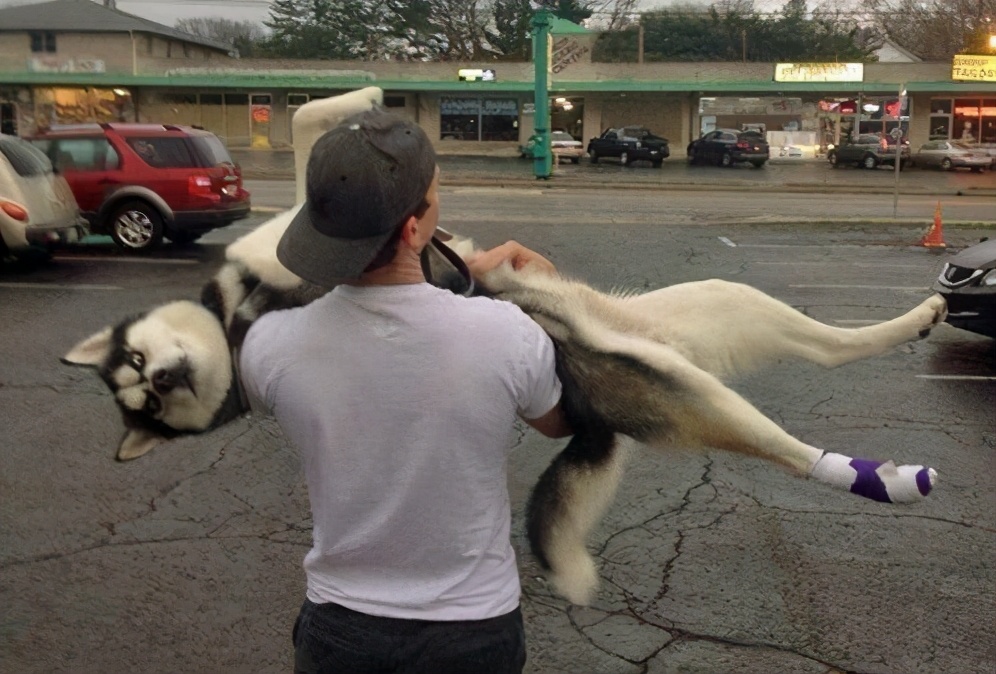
(189,559)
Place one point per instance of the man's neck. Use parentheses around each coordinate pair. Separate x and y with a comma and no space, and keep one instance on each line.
(405,268)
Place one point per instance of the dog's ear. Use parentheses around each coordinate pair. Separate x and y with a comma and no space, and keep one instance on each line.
(91,351)
(137,442)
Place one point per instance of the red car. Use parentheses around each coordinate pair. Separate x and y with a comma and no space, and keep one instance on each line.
(141,182)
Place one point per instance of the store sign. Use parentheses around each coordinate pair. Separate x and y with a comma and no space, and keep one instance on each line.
(973,68)
(476,75)
(564,51)
(819,72)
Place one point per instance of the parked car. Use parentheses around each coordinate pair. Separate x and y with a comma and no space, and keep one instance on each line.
(951,154)
(727,147)
(968,283)
(869,151)
(36,205)
(563,145)
(629,144)
(141,182)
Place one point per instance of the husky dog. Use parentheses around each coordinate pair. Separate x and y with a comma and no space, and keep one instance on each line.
(644,366)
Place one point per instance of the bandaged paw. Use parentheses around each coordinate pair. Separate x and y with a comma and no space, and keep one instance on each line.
(877,480)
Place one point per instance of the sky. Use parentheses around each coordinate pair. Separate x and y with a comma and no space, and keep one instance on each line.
(167,12)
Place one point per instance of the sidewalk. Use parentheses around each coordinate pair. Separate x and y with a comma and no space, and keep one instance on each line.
(778,176)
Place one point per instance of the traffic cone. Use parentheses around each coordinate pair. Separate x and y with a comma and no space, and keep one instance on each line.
(934,238)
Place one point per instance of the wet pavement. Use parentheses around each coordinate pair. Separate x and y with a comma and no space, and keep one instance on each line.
(779,175)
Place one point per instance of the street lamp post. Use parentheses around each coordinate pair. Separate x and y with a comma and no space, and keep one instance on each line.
(542,156)
(898,135)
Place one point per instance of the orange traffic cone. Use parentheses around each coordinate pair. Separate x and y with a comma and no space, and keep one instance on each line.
(934,238)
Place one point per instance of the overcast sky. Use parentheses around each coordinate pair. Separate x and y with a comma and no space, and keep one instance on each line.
(168,11)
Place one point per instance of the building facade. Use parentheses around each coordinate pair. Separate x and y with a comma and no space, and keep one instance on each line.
(149,73)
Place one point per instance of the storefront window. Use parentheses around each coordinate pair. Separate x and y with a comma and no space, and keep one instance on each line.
(479,119)
(940,106)
(974,120)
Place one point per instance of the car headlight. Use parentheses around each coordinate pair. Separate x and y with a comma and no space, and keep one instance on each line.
(988,279)
(637,145)
(830,146)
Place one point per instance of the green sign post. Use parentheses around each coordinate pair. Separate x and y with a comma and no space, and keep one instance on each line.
(542,155)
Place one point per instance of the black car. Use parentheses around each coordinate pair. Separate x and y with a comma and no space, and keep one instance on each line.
(968,283)
(629,144)
(869,151)
(727,147)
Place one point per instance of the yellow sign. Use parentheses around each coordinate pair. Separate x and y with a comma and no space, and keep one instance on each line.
(819,72)
(973,68)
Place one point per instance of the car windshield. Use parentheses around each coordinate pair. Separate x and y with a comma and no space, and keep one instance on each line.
(634,133)
(26,159)
(561,135)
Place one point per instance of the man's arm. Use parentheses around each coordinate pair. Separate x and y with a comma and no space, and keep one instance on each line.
(553,424)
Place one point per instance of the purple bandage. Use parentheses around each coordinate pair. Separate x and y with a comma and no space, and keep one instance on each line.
(870,485)
(923,481)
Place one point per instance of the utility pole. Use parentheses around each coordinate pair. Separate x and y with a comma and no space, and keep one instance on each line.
(542,155)
(639,45)
(111,4)
(743,43)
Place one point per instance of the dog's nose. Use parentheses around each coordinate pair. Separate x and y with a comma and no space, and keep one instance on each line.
(164,381)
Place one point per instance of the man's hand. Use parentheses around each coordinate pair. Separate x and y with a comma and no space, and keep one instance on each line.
(513,252)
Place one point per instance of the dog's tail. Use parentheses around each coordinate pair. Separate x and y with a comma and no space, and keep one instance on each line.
(569,499)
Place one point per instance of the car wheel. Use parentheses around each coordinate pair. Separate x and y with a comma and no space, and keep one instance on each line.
(946,165)
(869,162)
(658,163)
(758,164)
(726,159)
(976,169)
(593,156)
(575,160)
(184,238)
(137,226)
(832,158)
(692,159)
(624,158)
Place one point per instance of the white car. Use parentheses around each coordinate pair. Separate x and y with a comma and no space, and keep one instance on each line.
(951,154)
(36,205)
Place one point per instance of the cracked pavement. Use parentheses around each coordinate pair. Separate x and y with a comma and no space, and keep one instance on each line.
(189,559)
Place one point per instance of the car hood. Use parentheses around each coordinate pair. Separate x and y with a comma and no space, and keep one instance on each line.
(980,256)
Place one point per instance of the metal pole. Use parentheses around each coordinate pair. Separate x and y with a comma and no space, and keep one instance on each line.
(899,151)
(540,23)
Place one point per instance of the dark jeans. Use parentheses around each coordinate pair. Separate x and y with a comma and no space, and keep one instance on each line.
(332,639)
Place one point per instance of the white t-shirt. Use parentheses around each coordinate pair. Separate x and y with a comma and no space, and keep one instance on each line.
(401,400)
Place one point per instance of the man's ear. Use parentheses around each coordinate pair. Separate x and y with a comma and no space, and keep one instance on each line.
(91,351)
(137,442)
(410,233)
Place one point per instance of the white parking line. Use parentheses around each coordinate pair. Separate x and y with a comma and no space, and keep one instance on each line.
(856,287)
(58,286)
(727,242)
(127,260)
(869,265)
(959,377)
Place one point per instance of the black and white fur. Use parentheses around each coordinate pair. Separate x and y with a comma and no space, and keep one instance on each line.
(645,366)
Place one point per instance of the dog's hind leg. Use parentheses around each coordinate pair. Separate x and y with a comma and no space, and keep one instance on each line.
(705,412)
(728,328)
(569,499)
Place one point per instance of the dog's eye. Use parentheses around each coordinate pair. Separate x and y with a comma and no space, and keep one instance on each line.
(136,360)
(153,405)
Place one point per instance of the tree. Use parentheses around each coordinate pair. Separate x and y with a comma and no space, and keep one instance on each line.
(735,31)
(935,30)
(245,36)
(332,29)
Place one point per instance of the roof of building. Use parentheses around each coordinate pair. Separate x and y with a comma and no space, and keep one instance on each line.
(86,16)
(910,56)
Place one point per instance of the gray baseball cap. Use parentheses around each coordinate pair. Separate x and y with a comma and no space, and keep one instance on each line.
(365,176)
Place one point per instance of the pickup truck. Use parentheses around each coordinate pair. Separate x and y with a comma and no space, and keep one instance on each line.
(629,144)
(869,151)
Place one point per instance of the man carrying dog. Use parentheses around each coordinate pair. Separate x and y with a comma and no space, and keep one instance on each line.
(401,399)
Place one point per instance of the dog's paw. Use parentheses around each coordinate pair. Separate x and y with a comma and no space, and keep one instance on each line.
(931,313)
(578,581)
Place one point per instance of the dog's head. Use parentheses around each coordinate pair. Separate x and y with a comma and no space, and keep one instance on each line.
(170,371)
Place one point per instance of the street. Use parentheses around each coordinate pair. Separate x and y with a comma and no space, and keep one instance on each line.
(189,559)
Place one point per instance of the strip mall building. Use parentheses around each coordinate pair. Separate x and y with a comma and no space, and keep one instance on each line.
(72,61)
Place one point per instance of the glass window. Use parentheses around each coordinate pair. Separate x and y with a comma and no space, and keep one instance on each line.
(163,152)
(940,105)
(211,150)
(965,124)
(394,101)
(479,119)
(236,99)
(297,99)
(83,154)
(940,127)
(26,159)
(43,42)
(210,99)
